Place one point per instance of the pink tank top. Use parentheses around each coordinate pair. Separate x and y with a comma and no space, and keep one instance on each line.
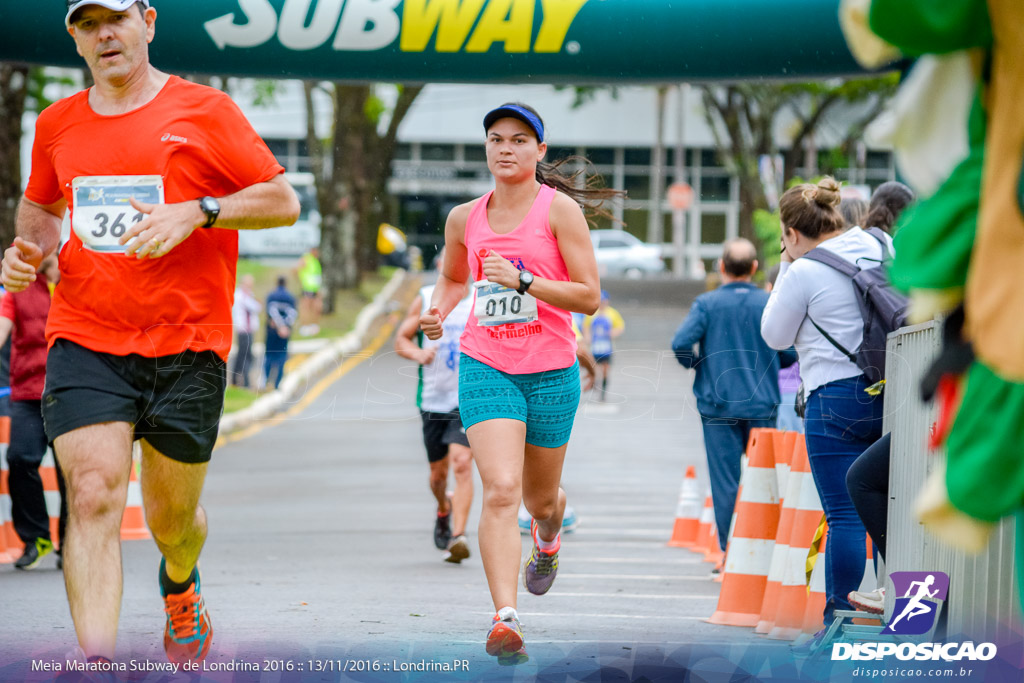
(521,348)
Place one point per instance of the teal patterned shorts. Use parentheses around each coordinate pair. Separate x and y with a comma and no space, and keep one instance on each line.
(545,401)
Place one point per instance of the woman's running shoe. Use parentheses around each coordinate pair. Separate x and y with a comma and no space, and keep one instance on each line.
(541,567)
(872,602)
(505,639)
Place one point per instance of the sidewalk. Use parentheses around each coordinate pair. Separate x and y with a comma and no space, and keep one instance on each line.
(319,357)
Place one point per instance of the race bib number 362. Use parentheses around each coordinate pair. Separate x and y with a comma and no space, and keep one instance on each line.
(498,305)
(101,213)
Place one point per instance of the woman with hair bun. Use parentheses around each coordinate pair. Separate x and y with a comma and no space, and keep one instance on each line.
(811,300)
(526,244)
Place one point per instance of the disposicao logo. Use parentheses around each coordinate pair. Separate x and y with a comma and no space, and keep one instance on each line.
(915,612)
(919,595)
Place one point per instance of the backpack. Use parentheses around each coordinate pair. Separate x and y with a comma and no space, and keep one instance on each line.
(882,308)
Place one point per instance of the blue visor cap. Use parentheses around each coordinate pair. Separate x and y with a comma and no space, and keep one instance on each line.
(514,111)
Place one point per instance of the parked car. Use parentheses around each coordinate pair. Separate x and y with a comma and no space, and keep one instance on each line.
(620,254)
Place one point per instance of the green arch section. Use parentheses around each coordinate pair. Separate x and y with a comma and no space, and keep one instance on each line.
(549,41)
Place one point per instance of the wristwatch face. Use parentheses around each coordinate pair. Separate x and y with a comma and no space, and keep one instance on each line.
(525,277)
(211,207)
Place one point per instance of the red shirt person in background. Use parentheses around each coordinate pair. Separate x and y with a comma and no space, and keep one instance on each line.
(23,318)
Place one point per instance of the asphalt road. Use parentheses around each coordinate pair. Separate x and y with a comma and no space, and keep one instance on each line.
(320,546)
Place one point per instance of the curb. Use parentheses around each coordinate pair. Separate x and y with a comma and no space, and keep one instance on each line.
(322,362)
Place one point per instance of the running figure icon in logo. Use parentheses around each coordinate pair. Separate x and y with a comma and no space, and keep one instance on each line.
(917,609)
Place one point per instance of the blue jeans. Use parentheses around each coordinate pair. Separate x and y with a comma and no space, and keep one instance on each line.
(840,423)
(725,439)
(273,364)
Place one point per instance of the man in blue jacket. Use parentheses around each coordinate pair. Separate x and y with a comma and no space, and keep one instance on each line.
(281,317)
(737,380)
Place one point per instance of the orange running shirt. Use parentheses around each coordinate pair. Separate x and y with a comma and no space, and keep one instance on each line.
(197,139)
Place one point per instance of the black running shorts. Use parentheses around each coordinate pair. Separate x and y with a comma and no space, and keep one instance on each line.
(174,402)
(441,430)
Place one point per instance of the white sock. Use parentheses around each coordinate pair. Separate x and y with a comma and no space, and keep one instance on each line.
(508,614)
(548,546)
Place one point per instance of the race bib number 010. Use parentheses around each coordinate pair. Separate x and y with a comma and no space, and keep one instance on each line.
(101,212)
(498,305)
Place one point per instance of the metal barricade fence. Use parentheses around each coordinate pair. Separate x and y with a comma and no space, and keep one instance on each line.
(982,602)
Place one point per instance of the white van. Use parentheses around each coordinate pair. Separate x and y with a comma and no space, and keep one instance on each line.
(293,240)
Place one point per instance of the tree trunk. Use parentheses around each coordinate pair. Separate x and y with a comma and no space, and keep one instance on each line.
(352,182)
(13,89)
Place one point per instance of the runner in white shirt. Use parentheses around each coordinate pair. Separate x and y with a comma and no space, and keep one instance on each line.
(444,437)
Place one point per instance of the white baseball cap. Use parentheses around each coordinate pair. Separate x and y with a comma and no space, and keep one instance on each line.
(117,5)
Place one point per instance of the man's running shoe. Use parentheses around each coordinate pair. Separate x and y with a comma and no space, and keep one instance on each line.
(505,639)
(872,602)
(443,528)
(458,550)
(188,632)
(34,554)
(541,567)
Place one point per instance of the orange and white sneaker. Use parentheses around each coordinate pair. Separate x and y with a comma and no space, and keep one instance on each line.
(188,632)
(505,639)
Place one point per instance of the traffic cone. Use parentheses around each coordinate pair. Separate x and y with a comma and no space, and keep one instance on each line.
(133,523)
(10,545)
(755,523)
(48,473)
(707,533)
(802,497)
(783,443)
(688,509)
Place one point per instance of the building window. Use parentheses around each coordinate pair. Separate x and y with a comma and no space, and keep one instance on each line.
(877,160)
(637,156)
(475,153)
(556,153)
(635,221)
(714,188)
(709,159)
(601,156)
(712,228)
(403,151)
(437,152)
(637,186)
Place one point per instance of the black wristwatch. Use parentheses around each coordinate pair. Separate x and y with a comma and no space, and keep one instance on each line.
(525,280)
(210,207)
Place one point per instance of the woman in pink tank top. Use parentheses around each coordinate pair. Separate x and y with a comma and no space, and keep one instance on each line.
(526,246)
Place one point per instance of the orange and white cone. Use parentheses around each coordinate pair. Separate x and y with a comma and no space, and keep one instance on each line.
(688,509)
(755,523)
(10,544)
(133,523)
(48,473)
(802,496)
(707,533)
(784,443)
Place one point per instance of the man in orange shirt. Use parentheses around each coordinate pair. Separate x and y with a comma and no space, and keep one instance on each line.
(158,174)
